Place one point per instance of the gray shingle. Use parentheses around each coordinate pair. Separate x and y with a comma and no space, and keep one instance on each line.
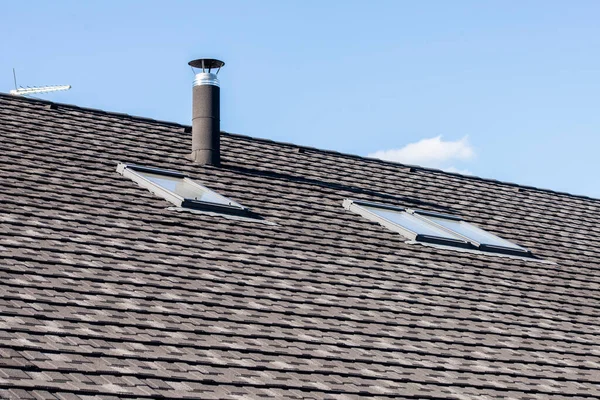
(106,293)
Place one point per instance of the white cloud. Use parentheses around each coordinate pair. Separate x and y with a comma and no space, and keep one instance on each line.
(433,152)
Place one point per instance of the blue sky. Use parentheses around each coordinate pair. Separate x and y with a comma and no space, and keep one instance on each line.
(508,90)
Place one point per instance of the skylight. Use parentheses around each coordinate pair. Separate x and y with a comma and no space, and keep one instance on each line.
(180,190)
(430,227)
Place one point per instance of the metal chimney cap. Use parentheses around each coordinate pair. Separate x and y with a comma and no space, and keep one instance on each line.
(206,63)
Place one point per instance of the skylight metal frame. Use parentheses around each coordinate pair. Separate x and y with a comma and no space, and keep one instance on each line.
(131,171)
(462,241)
(356,207)
(520,251)
(420,214)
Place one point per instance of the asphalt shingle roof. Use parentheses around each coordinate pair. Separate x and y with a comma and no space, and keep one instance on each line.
(106,293)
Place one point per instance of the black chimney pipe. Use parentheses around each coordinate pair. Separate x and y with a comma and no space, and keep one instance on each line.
(206,113)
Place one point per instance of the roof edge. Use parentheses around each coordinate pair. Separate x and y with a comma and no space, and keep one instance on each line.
(297,146)
(94,110)
(416,167)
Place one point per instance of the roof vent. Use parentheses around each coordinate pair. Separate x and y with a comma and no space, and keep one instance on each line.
(206,113)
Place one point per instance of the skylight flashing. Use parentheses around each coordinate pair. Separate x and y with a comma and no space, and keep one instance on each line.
(234,217)
(431,227)
(514,256)
(181,191)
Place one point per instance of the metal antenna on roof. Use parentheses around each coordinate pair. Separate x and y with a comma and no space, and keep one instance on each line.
(28,91)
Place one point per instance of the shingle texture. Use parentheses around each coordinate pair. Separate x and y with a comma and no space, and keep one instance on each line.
(107,293)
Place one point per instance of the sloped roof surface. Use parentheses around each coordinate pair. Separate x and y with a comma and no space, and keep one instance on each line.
(106,293)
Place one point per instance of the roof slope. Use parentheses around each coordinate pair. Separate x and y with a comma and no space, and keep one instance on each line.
(105,293)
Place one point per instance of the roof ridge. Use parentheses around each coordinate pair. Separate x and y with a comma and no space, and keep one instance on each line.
(412,166)
(94,110)
(310,148)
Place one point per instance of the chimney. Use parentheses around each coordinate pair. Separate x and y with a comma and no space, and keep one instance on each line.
(206,114)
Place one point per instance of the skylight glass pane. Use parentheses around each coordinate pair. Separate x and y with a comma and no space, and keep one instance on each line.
(412,223)
(474,233)
(184,188)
